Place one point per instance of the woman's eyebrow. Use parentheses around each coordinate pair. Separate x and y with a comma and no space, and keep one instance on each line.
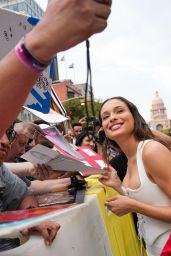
(114,108)
(117,107)
(104,113)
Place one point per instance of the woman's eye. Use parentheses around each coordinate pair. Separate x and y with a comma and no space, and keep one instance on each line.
(104,117)
(120,111)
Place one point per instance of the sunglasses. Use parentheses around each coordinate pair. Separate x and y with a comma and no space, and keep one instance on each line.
(11,134)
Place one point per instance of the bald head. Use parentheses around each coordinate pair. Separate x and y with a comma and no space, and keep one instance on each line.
(25,131)
(27,128)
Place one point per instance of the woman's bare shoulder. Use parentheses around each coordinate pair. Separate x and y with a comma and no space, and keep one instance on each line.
(154,152)
(153,147)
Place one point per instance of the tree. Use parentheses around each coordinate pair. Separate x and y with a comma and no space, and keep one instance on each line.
(76,109)
(167,131)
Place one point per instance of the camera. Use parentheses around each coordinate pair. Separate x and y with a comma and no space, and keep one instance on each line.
(101,137)
(90,118)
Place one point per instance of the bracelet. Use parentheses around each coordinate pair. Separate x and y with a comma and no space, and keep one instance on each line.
(28,59)
(125,192)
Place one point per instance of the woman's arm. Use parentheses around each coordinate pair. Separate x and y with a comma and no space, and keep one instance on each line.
(121,205)
(111,179)
(157,162)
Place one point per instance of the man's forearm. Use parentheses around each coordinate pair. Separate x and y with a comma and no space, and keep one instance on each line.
(19,169)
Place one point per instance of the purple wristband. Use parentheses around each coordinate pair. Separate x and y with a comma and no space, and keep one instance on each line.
(28,59)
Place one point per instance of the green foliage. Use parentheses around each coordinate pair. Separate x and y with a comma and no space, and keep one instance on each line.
(74,106)
(77,107)
(167,131)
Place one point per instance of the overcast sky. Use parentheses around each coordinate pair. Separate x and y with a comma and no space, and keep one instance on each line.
(131,58)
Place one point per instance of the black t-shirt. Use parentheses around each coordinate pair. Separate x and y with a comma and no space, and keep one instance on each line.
(119,162)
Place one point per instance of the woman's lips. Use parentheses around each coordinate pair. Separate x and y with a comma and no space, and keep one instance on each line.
(115,127)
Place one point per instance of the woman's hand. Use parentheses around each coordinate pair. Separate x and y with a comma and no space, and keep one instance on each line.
(120,205)
(47,229)
(69,136)
(111,179)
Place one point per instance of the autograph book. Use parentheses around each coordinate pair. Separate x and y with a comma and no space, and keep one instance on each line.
(53,134)
(65,158)
(58,161)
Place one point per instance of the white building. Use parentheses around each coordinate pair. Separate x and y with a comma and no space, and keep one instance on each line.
(28,7)
(159,119)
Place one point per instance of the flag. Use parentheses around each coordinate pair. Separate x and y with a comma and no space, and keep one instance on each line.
(71,66)
(62,58)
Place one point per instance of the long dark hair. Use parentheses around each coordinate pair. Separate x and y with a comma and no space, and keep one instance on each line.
(141,129)
(84,134)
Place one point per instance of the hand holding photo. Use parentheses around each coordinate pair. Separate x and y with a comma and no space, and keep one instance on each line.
(58,139)
(58,161)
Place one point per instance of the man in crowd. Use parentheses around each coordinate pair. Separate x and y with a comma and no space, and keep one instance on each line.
(76,130)
(15,194)
(41,173)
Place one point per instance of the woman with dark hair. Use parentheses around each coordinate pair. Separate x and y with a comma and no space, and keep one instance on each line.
(146,186)
(86,138)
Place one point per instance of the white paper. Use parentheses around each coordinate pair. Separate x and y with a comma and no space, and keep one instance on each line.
(58,162)
(89,152)
(101,163)
(52,117)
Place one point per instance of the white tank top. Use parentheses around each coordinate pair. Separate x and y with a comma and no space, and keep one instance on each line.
(150,229)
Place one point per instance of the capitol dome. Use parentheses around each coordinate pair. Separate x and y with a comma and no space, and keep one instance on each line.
(157,102)
(158,113)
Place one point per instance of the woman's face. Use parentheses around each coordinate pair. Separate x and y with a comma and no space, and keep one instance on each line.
(89,141)
(117,120)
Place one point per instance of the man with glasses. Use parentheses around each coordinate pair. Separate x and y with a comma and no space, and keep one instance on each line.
(14,193)
(25,132)
(41,173)
(11,134)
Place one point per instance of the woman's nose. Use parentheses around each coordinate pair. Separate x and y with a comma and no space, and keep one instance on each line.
(113,117)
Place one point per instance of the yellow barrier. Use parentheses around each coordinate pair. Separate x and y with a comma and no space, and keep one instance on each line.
(121,230)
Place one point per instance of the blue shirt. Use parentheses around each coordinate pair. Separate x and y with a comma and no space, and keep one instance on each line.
(12,190)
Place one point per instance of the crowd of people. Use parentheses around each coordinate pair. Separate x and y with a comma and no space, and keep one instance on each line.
(19,70)
(139,158)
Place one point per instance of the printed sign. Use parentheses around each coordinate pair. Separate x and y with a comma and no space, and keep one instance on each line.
(13,26)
